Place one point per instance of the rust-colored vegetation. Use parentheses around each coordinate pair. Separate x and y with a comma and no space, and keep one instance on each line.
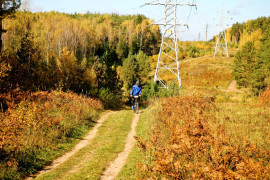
(30,123)
(184,145)
(265,97)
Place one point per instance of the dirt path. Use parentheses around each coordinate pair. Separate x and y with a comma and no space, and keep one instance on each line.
(232,87)
(116,166)
(85,141)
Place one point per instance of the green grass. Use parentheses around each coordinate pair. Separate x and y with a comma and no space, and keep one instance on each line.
(136,157)
(92,160)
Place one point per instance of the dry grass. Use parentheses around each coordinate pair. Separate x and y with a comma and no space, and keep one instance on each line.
(197,73)
(245,121)
(185,145)
(206,72)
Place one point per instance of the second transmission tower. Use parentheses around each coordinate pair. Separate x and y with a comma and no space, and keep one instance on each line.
(167,70)
(222,39)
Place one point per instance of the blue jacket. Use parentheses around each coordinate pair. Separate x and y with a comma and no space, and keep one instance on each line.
(136,90)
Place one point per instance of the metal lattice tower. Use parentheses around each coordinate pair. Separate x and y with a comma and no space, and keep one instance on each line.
(222,35)
(168,64)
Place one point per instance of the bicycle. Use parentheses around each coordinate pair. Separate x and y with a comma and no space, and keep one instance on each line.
(136,104)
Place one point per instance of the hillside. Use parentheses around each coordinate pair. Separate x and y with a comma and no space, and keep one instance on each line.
(211,131)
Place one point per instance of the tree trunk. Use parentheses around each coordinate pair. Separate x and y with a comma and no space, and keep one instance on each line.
(1,27)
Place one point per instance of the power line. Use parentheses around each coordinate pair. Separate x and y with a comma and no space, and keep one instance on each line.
(130,9)
(190,12)
(199,20)
(150,12)
(191,33)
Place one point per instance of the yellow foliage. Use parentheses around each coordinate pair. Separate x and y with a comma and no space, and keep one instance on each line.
(67,59)
(201,45)
(228,35)
(118,71)
(4,69)
(90,75)
(253,37)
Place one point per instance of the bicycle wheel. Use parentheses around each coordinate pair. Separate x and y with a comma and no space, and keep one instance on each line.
(137,107)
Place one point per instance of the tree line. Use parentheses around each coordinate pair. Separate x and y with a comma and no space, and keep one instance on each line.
(251,67)
(85,53)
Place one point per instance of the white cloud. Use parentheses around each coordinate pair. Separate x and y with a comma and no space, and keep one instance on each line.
(235,12)
(37,9)
(244,4)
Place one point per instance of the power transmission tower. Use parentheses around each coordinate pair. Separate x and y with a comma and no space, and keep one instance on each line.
(168,64)
(222,35)
(206,31)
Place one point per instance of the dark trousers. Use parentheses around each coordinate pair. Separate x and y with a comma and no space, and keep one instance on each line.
(133,100)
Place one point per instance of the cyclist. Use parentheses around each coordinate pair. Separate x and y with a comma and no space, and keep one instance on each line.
(135,91)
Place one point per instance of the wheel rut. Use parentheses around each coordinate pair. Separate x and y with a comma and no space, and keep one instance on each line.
(115,167)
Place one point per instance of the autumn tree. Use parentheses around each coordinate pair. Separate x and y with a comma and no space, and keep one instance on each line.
(236,31)
(7,7)
(4,69)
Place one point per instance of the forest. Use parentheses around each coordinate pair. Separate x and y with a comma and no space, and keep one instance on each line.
(81,53)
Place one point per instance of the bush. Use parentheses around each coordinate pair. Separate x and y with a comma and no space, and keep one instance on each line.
(194,52)
(149,91)
(110,99)
(152,90)
(265,97)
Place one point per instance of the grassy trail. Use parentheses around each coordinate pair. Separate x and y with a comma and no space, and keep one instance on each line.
(91,161)
(146,124)
(115,167)
(84,142)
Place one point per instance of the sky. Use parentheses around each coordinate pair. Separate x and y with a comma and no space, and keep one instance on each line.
(207,12)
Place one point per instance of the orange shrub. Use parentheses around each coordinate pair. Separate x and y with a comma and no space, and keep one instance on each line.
(265,97)
(41,120)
